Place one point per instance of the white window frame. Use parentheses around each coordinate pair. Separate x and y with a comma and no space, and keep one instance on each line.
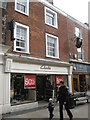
(57,48)
(55,18)
(27,38)
(27,8)
(79,32)
(80,51)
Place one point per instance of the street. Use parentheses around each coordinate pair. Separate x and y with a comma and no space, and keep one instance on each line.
(80,111)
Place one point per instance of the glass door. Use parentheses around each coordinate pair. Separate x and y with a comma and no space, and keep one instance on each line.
(82,81)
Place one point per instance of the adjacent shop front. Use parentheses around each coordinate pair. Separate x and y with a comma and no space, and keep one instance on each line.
(81,77)
(31,80)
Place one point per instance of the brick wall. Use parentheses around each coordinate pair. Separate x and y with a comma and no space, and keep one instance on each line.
(36,23)
(71,30)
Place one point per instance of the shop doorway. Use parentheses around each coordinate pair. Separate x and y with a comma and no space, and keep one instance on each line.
(82,81)
(44,89)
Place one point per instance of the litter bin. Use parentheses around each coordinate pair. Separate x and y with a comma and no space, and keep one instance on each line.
(71,101)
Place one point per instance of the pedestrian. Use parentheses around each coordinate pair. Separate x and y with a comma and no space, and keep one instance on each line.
(63,99)
(51,108)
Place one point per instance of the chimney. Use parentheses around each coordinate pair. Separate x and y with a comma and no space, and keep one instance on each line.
(50,1)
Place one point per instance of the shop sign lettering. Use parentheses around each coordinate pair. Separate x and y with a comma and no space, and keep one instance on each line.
(58,79)
(29,81)
(45,67)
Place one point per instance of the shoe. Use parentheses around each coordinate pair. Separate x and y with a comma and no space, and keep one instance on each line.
(71,118)
(52,115)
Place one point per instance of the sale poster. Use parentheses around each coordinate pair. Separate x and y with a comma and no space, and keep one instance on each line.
(29,81)
(58,79)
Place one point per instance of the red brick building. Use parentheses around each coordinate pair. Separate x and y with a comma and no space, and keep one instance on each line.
(42,52)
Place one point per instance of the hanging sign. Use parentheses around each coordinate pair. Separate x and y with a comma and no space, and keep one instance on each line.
(29,81)
(58,79)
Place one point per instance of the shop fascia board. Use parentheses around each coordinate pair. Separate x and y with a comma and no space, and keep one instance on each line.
(79,61)
(29,59)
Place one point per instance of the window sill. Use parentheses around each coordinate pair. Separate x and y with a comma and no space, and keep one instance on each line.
(51,25)
(22,12)
(21,52)
(52,57)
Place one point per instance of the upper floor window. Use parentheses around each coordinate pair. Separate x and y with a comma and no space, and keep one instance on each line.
(78,32)
(22,6)
(50,17)
(80,54)
(52,46)
(21,42)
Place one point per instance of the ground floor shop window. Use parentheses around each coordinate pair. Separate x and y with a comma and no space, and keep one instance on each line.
(75,83)
(82,81)
(79,83)
(88,81)
(20,94)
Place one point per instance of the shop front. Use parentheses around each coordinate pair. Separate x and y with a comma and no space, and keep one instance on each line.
(30,80)
(27,88)
(81,77)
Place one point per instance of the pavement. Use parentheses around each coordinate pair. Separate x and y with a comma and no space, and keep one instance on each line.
(81,111)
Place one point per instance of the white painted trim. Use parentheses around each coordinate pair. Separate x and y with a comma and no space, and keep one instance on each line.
(77,61)
(63,13)
(27,10)
(57,56)
(55,26)
(14,56)
(36,68)
(27,44)
(70,83)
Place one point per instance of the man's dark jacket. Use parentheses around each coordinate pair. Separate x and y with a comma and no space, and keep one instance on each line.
(63,94)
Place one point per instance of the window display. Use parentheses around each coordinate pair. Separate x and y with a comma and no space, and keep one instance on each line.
(75,83)
(18,93)
(88,81)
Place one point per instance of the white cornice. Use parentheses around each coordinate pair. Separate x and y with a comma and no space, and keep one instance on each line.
(63,13)
(77,61)
(39,60)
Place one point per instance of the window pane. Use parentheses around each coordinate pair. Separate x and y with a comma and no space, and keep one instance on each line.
(21,5)
(50,18)
(51,46)
(21,38)
(80,53)
(78,32)
(17,43)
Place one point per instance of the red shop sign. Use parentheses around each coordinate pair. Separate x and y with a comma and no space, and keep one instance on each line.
(58,79)
(29,81)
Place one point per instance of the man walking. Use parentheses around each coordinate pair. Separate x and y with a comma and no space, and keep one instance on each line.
(63,100)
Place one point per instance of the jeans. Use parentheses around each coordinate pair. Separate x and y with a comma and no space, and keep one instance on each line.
(66,108)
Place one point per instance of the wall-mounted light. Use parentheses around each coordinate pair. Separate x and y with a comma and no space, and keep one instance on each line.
(78,42)
(74,68)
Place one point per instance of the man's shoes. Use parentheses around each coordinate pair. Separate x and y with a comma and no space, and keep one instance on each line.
(71,118)
(52,115)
